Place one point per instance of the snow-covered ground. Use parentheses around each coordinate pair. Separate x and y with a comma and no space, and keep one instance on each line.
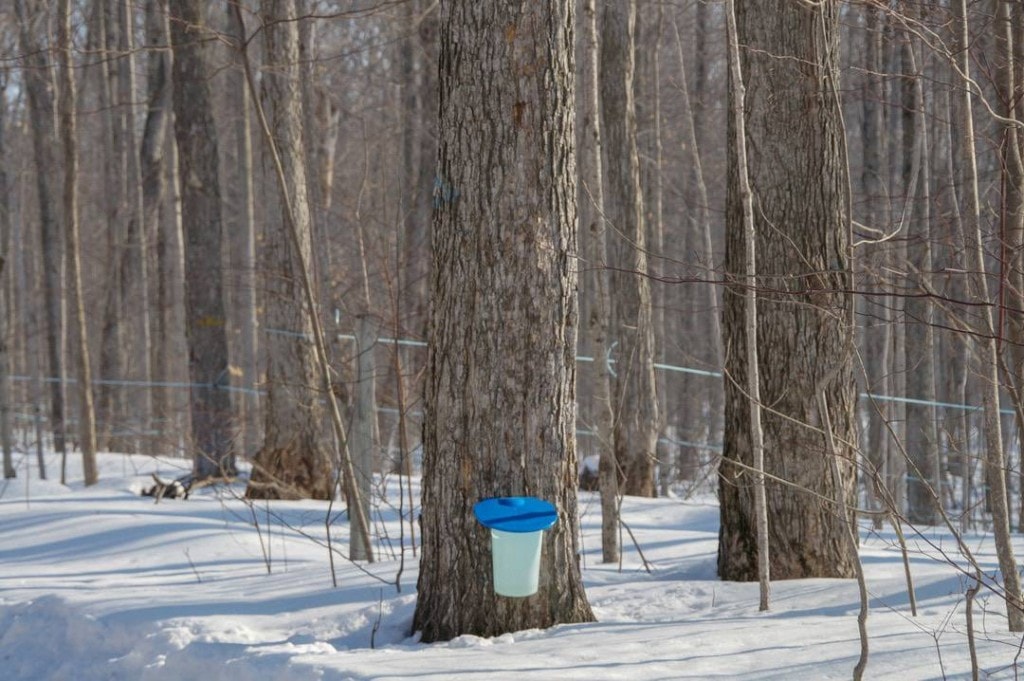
(100,584)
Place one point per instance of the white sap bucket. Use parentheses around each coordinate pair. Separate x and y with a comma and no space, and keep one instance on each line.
(516,562)
(517,527)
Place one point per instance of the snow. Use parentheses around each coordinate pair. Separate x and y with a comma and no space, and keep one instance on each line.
(100,584)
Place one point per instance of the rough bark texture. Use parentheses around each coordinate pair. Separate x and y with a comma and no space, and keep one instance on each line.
(986,349)
(135,282)
(243,251)
(798,176)
(39,88)
(877,326)
(922,437)
(111,402)
(293,462)
(600,307)
(152,163)
(67,115)
(205,326)
(636,405)
(500,394)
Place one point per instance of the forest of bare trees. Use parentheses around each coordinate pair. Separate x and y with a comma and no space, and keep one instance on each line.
(201,204)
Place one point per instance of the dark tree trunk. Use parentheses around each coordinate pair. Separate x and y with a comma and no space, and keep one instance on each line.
(500,394)
(919,338)
(205,326)
(798,175)
(67,115)
(153,166)
(32,20)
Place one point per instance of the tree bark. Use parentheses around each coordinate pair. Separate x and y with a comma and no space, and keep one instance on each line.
(500,394)
(419,153)
(136,280)
(244,251)
(636,405)
(877,334)
(68,126)
(153,167)
(737,100)
(293,462)
(38,76)
(795,147)
(205,328)
(365,437)
(111,403)
(987,352)
(597,281)
(919,337)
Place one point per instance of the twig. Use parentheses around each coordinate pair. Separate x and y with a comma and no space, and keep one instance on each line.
(193,566)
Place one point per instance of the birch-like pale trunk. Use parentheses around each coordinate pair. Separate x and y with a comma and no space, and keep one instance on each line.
(753,384)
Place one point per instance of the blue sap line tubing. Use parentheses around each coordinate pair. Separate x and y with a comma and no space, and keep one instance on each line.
(422,344)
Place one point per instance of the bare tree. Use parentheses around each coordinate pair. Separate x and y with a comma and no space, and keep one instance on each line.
(635,401)
(598,284)
(737,100)
(205,325)
(69,136)
(500,395)
(243,252)
(39,86)
(987,353)
(153,168)
(293,461)
(921,434)
(790,60)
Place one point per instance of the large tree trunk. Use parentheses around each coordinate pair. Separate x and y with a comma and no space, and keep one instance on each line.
(795,150)
(135,279)
(205,325)
(38,78)
(293,462)
(111,404)
(737,107)
(68,127)
(636,405)
(152,165)
(243,251)
(500,395)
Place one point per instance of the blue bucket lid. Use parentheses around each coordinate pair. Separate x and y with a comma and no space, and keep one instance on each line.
(515,514)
